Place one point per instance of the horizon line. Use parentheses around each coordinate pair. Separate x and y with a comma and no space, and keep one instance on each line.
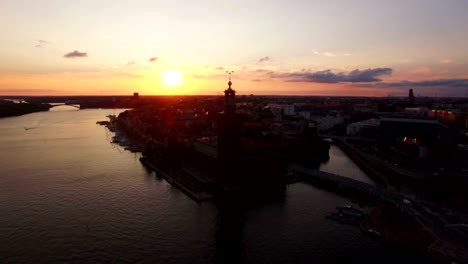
(220,95)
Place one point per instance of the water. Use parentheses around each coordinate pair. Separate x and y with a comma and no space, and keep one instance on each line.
(339,163)
(68,195)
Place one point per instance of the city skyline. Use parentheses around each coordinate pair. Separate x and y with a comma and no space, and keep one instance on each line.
(363,48)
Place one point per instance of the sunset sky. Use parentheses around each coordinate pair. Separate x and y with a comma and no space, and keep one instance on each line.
(296,47)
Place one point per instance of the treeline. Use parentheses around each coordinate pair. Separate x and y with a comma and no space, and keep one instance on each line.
(8,108)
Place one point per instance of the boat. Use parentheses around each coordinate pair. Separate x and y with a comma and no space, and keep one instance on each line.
(347,215)
(372,232)
(345,206)
(350,211)
(342,219)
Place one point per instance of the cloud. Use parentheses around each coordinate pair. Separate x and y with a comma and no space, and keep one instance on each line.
(153,59)
(329,54)
(103,74)
(264,59)
(41,43)
(263,71)
(131,63)
(422,70)
(436,87)
(75,54)
(217,76)
(209,76)
(327,76)
(26,91)
(452,83)
(121,74)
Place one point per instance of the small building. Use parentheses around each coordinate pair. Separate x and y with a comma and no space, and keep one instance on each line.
(328,122)
(366,128)
(397,129)
(414,138)
(284,109)
(455,118)
(416,111)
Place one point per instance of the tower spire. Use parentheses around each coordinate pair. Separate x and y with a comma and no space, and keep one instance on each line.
(229,72)
(229,97)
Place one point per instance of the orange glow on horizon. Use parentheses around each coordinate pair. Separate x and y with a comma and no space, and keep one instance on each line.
(180,79)
(152,83)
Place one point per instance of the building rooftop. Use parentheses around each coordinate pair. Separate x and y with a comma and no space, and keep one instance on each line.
(205,149)
(407,120)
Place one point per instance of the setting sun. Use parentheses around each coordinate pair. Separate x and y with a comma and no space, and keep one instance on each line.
(171,77)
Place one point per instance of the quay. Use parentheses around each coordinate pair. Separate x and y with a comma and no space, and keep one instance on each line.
(424,230)
(362,162)
(190,185)
(410,205)
(345,184)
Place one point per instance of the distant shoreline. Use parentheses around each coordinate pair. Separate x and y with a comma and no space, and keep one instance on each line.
(11,109)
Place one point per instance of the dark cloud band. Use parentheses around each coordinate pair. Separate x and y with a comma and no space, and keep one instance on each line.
(264,59)
(75,54)
(327,76)
(453,83)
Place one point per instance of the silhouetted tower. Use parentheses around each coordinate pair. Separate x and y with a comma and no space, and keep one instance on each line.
(229,97)
(411,96)
(229,135)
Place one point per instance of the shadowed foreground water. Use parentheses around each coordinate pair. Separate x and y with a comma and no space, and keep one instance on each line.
(68,195)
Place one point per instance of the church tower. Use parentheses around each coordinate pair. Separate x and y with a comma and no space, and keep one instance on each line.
(229,135)
(229,97)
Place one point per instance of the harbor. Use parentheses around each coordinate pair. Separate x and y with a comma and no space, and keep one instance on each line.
(124,200)
(424,221)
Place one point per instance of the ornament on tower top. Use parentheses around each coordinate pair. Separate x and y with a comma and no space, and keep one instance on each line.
(229,83)
(229,97)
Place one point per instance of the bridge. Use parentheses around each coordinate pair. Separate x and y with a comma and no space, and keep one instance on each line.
(412,206)
(339,182)
(66,103)
(352,186)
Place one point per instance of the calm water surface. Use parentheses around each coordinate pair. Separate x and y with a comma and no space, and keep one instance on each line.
(339,163)
(68,195)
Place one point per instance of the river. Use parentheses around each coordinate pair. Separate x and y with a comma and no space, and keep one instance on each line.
(68,195)
(340,164)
